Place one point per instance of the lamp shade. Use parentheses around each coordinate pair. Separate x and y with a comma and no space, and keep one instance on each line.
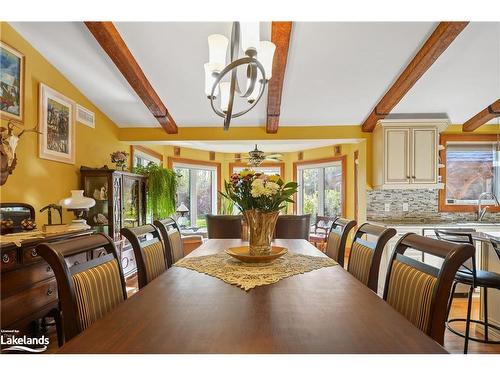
(182,209)
(217,51)
(265,56)
(224,95)
(209,81)
(256,90)
(77,201)
(250,36)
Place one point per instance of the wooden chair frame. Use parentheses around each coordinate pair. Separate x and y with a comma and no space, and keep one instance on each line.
(135,236)
(383,236)
(162,226)
(342,227)
(54,254)
(453,254)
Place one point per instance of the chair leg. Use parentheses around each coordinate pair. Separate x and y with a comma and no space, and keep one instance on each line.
(467,324)
(485,313)
(451,299)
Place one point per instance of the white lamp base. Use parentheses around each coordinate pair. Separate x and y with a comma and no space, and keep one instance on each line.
(78,224)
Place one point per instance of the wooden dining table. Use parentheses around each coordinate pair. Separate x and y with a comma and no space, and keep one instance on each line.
(322,311)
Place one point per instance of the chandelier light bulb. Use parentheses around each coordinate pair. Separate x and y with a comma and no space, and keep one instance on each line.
(250,37)
(217,51)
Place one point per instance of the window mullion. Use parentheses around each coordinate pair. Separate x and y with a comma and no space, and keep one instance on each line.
(192,193)
(321,198)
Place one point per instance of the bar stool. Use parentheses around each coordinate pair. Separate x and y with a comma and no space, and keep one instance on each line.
(468,274)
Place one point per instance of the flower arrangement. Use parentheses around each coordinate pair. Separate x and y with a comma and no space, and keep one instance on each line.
(252,190)
(120,159)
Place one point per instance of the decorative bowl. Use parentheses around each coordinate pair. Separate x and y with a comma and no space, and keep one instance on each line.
(242,253)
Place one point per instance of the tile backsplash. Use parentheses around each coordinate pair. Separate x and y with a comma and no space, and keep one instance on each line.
(422,207)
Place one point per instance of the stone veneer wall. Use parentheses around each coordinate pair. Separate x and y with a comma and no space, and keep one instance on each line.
(422,207)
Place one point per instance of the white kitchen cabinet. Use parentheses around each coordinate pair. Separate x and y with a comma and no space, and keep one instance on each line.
(405,154)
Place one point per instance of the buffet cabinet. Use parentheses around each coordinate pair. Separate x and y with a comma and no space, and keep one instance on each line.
(120,202)
(28,285)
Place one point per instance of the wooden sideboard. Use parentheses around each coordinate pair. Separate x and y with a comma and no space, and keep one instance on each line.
(28,285)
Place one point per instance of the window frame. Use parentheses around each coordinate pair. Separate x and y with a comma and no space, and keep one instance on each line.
(470,138)
(322,163)
(137,149)
(200,164)
(240,164)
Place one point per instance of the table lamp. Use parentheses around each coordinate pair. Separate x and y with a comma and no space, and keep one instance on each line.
(182,210)
(79,205)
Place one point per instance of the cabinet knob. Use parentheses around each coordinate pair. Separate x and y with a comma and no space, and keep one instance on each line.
(5,258)
(34,253)
(48,269)
(49,291)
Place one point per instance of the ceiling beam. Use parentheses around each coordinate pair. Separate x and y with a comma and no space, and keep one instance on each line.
(280,36)
(112,43)
(444,34)
(481,118)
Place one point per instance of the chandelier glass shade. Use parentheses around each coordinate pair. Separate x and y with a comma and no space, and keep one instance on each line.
(221,79)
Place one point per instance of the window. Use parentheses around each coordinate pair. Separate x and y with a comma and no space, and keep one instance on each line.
(321,187)
(197,189)
(472,167)
(142,156)
(265,168)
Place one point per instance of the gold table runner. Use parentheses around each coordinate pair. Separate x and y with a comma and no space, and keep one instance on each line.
(250,275)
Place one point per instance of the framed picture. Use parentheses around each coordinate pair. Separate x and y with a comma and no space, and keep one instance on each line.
(57,126)
(11,82)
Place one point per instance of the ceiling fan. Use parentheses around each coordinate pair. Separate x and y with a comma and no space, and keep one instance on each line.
(256,157)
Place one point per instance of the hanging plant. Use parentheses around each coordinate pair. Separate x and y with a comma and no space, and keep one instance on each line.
(161,189)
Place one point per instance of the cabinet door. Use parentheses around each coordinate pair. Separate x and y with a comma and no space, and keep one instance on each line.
(424,156)
(396,156)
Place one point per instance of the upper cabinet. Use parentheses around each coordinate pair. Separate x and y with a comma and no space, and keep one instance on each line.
(405,154)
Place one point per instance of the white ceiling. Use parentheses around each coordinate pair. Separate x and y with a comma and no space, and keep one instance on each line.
(263,145)
(336,71)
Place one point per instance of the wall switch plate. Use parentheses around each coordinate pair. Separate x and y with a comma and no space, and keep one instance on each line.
(405,207)
(387,207)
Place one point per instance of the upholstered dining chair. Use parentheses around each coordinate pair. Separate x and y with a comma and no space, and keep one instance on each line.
(337,239)
(293,226)
(419,291)
(365,254)
(87,291)
(224,226)
(151,257)
(172,239)
(469,274)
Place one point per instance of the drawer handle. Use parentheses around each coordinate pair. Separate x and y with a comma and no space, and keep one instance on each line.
(49,269)
(34,253)
(5,258)
(49,291)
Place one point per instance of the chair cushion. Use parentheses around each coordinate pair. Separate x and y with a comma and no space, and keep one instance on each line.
(154,260)
(410,292)
(98,290)
(332,246)
(483,278)
(360,262)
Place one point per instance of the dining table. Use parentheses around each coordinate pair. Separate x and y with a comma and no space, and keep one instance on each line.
(326,310)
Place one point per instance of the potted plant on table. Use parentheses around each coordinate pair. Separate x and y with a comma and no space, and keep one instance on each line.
(259,197)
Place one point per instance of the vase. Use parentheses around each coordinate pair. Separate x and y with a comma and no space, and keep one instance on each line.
(261,226)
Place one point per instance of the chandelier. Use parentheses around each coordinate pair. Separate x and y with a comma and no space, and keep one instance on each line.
(221,79)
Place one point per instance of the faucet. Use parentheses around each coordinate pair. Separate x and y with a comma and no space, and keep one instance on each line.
(481,211)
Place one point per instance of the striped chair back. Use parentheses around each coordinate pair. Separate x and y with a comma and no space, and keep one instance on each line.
(337,239)
(87,291)
(149,250)
(419,291)
(171,235)
(365,254)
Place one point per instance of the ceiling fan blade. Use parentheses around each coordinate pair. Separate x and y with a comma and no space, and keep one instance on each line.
(274,155)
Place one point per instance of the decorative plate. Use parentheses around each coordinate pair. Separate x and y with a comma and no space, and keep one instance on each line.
(242,253)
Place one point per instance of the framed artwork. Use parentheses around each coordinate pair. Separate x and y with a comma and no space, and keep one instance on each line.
(57,126)
(11,82)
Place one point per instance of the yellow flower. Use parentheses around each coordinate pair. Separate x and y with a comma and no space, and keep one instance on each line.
(246,172)
(274,178)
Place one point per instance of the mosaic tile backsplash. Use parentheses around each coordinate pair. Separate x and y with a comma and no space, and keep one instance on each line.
(422,208)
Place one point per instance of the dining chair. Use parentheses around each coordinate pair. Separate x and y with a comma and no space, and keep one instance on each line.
(420,291)
(365,254)
(87,291)
(151,257)
(337,239)
(469,274)
(293,226)
(319,231)
(172,239)
(224,226)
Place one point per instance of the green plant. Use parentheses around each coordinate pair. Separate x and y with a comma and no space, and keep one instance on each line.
(226,205)
(161,187)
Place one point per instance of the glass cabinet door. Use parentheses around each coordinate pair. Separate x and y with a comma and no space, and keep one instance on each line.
(130,210)
(98,216)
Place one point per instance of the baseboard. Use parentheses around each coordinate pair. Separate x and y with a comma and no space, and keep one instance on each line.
(493,334)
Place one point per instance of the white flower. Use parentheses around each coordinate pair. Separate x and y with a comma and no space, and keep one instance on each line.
(261,187)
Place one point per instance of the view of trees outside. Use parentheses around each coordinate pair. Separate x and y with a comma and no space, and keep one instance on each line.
(310,191)
(333,190)
(203,195)
(183,192)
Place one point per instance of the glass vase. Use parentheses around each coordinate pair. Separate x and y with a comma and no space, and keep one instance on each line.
(261,226)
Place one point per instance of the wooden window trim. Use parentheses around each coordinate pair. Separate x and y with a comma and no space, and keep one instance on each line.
(281,166)
(442,206)
(144,150)
(342,159)
(171,160)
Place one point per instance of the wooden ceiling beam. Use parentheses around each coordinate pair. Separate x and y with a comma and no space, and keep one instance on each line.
(113,44)
(444,34)
(280,36)
(481,118)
